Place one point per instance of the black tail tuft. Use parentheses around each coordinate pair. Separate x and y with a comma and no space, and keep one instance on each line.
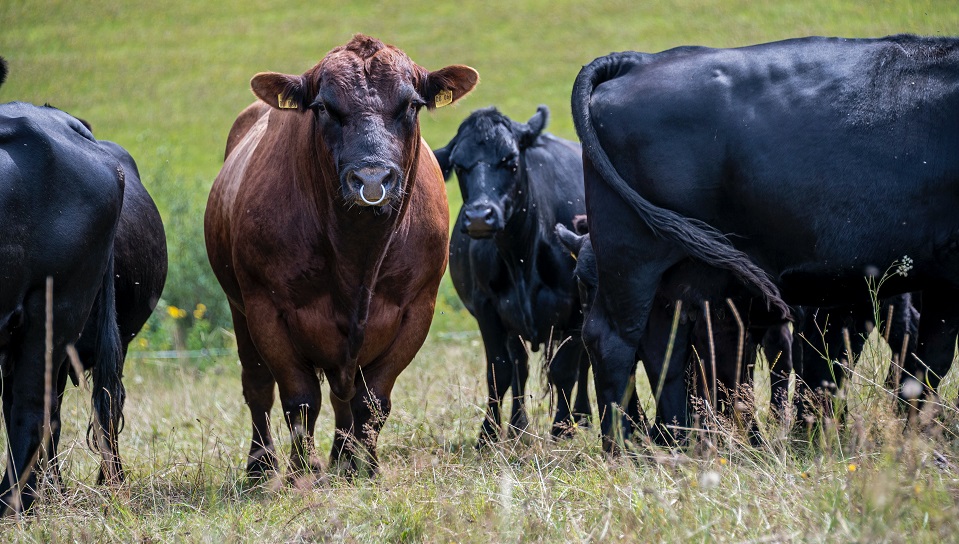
(108,393)
(3,70)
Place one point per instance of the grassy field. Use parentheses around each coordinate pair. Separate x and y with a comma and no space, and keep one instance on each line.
(166,78)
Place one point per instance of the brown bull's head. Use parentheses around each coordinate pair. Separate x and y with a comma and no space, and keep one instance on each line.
(365,98)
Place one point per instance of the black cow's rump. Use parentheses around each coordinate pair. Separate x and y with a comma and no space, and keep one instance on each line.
(800,166)
(140,268)
(507,266)
(59,207)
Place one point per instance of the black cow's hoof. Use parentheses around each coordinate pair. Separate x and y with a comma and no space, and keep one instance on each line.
(262,467)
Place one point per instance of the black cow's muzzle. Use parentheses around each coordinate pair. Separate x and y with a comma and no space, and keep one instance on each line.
(370,186)
(481,221)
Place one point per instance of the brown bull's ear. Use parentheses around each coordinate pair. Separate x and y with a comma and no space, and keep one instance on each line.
(445,86)
(281,91)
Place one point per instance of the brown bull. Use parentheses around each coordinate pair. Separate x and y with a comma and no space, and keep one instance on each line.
(328,229)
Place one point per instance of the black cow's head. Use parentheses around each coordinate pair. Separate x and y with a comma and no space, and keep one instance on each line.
(586,273)
(488,155)
(365,98)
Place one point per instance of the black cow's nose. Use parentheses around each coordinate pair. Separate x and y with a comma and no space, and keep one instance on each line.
(480,215)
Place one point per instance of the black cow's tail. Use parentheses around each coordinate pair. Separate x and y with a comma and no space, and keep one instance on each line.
(3,71)
(700,240)
(108,393)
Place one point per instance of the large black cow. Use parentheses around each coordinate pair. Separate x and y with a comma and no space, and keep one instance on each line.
(60,200)
(507,266)
(797,165)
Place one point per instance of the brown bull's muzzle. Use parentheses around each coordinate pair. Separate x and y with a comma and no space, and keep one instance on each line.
(371,185)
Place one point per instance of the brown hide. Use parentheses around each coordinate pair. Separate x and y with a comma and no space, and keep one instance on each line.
(317,281)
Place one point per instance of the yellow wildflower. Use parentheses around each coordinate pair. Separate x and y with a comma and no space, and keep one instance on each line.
(199,311)
(176,313)
(852,467)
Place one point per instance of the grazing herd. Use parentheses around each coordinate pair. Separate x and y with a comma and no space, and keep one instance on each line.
(723,201)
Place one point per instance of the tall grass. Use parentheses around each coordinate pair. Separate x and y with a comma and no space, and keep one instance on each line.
(872,479)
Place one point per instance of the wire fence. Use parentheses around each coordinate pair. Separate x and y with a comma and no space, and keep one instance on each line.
(225,352)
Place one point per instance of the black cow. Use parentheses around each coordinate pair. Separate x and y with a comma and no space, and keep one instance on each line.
(799,166)
(719,341)
(507,267)
(60,200)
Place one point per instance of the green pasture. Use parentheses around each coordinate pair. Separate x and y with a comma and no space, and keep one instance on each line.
(166,78)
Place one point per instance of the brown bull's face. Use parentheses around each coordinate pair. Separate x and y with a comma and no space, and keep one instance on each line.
(364,99)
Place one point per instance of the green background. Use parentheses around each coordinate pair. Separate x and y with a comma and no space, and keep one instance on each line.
(166,78)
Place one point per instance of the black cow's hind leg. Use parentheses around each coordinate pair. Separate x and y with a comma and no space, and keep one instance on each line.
(614,363)
(23,401)
(499,374)
(563,374)
(582,409)
(937,339)
(519,420)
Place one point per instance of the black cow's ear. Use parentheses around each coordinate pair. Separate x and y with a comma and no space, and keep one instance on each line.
(447,85)
(281,91)
(443,157)
(534,127)
(571,241)
(580,224)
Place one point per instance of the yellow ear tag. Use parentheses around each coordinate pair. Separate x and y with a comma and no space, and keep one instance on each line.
(287,104)
(443,98)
